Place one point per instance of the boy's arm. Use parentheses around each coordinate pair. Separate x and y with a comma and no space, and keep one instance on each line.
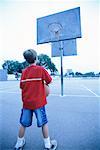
(46,77)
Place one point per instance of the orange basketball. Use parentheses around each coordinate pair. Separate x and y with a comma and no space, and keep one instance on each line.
(47,89)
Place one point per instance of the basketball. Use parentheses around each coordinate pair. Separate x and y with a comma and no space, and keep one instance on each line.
(47,90)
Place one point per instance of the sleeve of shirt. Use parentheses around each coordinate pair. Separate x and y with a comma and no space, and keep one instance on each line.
(46,77)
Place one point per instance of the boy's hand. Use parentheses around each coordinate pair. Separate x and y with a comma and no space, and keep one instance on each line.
(47,89)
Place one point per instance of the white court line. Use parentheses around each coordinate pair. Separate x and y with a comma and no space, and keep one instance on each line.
(90,91)
(9,92)
(65,95)
(73,95)
(9,88)
(53,94)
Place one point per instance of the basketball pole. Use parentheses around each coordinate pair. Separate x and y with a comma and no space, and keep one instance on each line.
(55,29)
(61,51)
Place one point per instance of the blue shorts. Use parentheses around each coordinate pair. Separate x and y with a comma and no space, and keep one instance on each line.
(26,117)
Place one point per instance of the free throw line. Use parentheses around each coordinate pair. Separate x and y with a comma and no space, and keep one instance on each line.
(90,90)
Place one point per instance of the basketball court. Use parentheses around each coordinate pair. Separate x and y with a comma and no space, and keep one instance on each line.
(74,118)
(74,104)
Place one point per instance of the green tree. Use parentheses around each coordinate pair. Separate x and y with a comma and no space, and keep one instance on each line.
(24,64)
(9,65)
(12,66)
(44,60)
(71,74)
(15,66)
(89,74)
(78,74)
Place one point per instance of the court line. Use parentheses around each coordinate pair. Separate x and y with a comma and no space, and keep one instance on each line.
(73,95)
(90,91)
(65,95)
(8,88)
(9,92)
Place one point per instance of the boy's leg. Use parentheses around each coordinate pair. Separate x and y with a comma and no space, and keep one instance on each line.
(49,144)
(42,122)
(20,140)
(21,131)
(45,131)
(25,121)
(46,137)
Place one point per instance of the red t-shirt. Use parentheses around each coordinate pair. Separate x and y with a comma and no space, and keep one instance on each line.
(32,85)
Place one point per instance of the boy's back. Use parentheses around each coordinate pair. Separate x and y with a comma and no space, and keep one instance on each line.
(32,85)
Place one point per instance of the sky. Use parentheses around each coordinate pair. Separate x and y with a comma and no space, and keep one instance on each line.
(18,28)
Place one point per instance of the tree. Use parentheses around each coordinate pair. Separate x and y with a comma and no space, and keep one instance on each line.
(71,74)
(89,74)
(10,65)
(78,74)
(44,60)
(15,66)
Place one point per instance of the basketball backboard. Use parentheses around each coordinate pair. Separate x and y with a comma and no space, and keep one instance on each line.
(69,48)
(59,26)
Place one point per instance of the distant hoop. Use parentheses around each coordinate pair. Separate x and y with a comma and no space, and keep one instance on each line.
(55,29)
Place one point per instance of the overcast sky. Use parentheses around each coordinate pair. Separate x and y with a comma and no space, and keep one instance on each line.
(18,31)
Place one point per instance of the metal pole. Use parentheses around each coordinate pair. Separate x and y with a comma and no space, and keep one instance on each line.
(61,50)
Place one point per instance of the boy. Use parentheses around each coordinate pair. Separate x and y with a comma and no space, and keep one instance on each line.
(34,100)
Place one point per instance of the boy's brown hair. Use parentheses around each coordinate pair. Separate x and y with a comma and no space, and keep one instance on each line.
(30,55)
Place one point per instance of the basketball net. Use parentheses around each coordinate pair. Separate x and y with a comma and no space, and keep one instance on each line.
(55,30)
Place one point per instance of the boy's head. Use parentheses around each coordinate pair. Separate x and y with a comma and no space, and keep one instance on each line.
(30,55)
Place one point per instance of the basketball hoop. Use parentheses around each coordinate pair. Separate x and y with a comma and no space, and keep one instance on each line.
(55,30)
